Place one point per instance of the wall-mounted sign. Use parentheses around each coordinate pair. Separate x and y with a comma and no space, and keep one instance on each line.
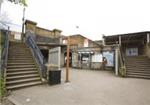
(17,36)
(86,43)
(97,58)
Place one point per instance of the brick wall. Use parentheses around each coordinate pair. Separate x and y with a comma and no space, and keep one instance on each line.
(79,40)
(32,26)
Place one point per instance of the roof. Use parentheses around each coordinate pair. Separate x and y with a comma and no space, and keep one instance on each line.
(127,34)
(29,21)
(57,30)
(44,29)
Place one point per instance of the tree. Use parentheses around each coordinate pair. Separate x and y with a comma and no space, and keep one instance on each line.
(21,2)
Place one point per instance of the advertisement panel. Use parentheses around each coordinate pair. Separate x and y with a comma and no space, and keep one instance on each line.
(109,55)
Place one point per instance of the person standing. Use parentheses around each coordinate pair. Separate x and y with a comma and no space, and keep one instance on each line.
(104,63)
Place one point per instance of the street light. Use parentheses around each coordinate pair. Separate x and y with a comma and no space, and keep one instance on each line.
(23,19)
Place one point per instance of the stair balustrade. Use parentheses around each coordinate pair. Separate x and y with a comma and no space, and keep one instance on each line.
(4,58)
(39,58)
(122,68)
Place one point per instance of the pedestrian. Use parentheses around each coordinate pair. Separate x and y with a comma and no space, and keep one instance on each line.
(104,63)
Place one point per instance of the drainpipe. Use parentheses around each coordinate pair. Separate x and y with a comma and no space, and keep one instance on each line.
(148,38)
(116,61)
(103,41)
(23,19)
(120,40)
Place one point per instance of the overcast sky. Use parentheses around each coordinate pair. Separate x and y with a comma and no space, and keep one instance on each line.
(94,17)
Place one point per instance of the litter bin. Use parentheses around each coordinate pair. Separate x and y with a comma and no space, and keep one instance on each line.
(54,77)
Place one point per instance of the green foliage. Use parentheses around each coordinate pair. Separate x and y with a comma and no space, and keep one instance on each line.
(2,87)
(21,2)
(1,41)
(122,71)
(149,44)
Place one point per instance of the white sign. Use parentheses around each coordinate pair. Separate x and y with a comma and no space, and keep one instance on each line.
(86,43)
(17,36)
(97,58)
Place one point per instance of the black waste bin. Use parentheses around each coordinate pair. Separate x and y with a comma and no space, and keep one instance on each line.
(54,77)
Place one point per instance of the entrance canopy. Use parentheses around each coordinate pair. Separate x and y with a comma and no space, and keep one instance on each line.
(139,37)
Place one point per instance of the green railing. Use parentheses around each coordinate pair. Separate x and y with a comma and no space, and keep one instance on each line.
(3,61)
(122,67)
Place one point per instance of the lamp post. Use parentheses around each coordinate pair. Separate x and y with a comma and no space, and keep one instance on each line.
(68,59)
(0,5)
(23,19)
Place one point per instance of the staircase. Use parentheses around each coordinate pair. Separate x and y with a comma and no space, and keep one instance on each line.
(21,68)
(138,67)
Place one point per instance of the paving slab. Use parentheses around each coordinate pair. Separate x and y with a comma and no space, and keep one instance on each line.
(87,87)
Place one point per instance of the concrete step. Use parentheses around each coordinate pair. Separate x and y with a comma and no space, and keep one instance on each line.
(137,61)
(142,66)
(23,80)
(14,63)
(21,69)
(138,68)
(19,53)
(18,50)
(23,85)
(9,74)
(130,64)
(20,66)
(138,76)
(21,61)
(20,58)
(23,48)
(138,71)
(9,78)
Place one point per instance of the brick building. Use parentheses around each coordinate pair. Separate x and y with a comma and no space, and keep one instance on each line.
(84,53)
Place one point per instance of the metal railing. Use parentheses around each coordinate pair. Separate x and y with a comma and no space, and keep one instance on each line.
(39,58)
(122,67)
(4,55)
(3,61)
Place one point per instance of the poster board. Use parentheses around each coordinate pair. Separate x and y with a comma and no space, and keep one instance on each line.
(109,55)
(97,58)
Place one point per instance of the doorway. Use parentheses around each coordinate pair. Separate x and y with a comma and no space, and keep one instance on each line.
(45,54)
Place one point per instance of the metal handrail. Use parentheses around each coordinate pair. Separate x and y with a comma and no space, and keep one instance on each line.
(38,56)
(5,54)
(4,58)
(121,59)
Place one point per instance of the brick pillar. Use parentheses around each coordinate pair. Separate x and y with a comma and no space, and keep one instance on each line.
(30,26)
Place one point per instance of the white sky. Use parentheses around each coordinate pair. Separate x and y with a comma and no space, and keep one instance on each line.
(94,17)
